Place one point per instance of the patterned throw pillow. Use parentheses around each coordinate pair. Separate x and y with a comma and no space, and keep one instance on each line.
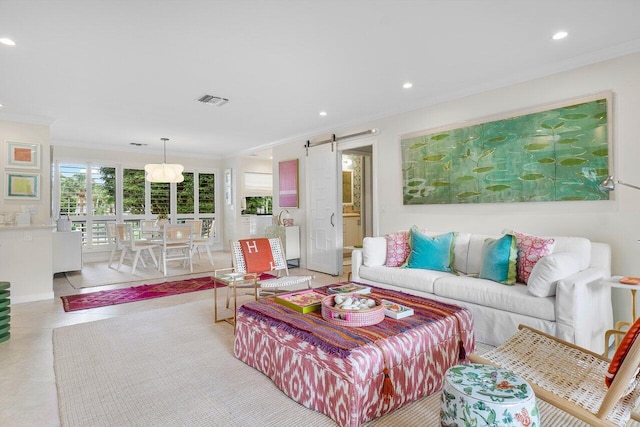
(397,248)
(621,353)
(530,250)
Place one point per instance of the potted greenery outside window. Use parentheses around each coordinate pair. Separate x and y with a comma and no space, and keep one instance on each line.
(163,219)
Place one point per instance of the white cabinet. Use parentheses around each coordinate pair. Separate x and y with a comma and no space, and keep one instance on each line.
(292,242)
(67,251)
(25,261)
(352,231)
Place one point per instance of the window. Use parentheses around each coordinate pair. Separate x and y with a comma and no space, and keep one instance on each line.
(133,189)
(92,195)
(206,193)
(73,190)
(185,194)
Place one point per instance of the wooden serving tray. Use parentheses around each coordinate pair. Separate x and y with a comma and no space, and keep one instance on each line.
(630,280)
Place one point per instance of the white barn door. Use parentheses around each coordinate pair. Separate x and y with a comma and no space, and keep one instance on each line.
(324,218)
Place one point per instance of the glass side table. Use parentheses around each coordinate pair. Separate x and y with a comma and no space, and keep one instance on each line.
(618,330)
(233,280)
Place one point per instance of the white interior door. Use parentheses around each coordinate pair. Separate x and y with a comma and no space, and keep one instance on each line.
(324,250)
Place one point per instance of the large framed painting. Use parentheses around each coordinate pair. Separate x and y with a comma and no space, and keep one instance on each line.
(288,183)
(553,153)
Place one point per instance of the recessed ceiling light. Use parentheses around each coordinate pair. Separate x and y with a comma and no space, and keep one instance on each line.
(7,42)
(323,113)
(407,85)
(560,35)
(1,105)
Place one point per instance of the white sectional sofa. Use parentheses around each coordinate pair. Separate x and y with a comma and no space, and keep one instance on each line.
(579,312)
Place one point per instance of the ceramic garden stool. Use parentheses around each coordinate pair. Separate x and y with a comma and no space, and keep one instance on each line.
(482,395)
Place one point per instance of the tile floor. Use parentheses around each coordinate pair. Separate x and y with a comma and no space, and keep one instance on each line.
(27,381)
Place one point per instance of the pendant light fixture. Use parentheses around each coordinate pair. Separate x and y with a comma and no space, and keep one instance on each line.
(165,172)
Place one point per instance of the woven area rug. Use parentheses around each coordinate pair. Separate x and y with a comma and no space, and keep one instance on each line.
(136,293)
(174,366)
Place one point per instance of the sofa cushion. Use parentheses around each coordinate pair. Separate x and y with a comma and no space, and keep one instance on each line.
(397,248)
(474,252)
(579,246)
(549,269)
(499,260)
(432,253)
(515,299)
(530,250)
(405,278)
(374,250)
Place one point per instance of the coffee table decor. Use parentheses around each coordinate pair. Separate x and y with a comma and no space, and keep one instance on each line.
(352,310)
(354,374)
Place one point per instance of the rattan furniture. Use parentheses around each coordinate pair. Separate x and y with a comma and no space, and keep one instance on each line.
(570,377)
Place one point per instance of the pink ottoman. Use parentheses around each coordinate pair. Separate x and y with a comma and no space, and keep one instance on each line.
(339,371)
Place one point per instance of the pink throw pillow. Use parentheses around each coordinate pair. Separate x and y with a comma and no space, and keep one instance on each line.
(530,250)
(397,248)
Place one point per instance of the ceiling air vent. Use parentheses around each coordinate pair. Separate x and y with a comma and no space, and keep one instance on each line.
(213,100)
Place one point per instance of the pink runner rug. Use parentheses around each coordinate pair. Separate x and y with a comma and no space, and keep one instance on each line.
(136,293)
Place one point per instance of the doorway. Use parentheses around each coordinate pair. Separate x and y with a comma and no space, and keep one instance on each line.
(357,204)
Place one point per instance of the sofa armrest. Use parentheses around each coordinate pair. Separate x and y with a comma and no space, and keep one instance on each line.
(356,263)
(583,308)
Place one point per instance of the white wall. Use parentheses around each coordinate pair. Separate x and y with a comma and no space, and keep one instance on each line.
(616,222)
(32,133)
(232,212)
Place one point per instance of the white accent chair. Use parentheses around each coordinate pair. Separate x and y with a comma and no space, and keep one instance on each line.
(177,243)
(126,240)
(280,270)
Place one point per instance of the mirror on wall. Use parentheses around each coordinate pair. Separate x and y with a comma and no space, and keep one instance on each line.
(347,187)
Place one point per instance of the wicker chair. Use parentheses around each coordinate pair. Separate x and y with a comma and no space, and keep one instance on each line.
(280,269)
(570,377)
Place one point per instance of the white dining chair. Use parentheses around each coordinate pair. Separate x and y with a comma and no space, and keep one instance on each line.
(177,245)
(129,244)
(114,241)
(149,230)
(205,242)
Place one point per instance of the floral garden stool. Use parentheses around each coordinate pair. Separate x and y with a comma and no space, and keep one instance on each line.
(482,395)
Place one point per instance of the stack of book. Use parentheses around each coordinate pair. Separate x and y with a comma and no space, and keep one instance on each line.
(395,310)
(302,302)
(349,288)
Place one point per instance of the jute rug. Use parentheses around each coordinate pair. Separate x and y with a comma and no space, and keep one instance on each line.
(175,367)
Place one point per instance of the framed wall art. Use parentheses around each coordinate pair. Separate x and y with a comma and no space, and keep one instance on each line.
(23,186)
(553,153)
(288,183)
(22,155)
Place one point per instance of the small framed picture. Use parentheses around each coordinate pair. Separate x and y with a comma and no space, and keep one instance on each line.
(227,177)
(23,186)
(22,155)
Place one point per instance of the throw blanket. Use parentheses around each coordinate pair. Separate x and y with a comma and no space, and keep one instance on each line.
(257,254)
(340,340)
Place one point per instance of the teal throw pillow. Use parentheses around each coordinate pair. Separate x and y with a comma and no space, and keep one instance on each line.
(431,253)
(499,259)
